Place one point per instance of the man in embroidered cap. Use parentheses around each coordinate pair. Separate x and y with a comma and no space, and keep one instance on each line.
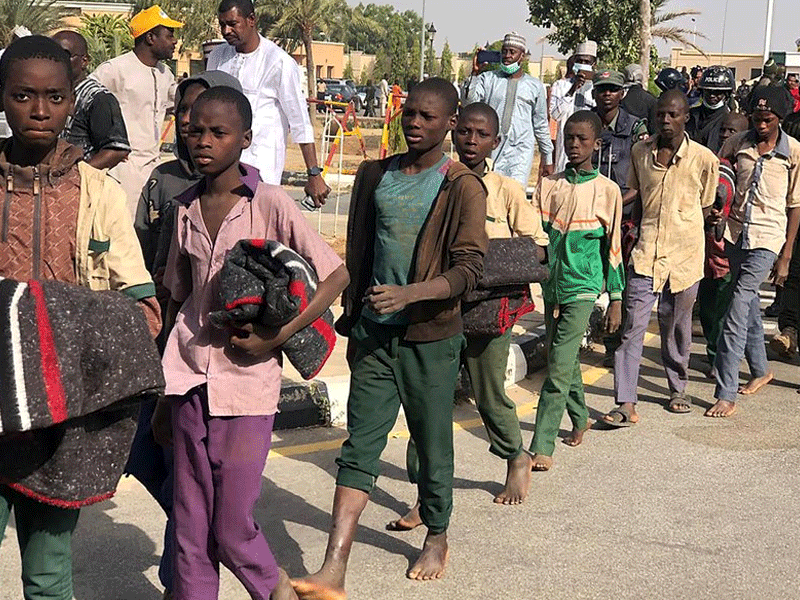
(521,102)
(145,88)
(573,92)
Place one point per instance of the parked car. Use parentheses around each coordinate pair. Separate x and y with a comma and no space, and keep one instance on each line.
(362,94)
(340,92)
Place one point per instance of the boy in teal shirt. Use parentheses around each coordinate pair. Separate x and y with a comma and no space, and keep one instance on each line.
(581,212)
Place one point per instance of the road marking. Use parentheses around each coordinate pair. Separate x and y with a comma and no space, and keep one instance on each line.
(590,376)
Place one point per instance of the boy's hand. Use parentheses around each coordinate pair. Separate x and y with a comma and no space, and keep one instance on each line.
(256,340)
(780,270)
(388,299)
(613,317)
(546,170)
(161,423)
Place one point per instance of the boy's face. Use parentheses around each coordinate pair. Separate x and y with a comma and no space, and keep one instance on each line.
(426,121)
(580,142)
(766,123)
(37,98)
(732,125)
(216,136)
(183,110)
(671,117)
(475,139)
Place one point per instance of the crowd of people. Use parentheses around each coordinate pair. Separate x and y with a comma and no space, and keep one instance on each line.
(634,186)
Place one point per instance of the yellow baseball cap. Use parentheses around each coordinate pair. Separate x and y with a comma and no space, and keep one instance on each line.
(149,18)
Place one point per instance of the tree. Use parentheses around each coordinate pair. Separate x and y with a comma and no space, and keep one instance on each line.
(38,16)
(616,26)
(446,62)
(462,73)
(431,68)
(293,20)
(348,70)
(645,37)
(106,36)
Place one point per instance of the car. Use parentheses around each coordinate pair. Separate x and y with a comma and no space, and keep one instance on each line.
(362,94)
(338,92)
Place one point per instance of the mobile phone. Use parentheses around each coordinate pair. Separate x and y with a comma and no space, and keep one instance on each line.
(489,56)
(308,204)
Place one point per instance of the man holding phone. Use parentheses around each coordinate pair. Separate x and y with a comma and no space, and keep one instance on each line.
(520,101)
(573,92)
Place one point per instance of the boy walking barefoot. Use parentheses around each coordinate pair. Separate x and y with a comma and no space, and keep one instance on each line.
(65,221)
(759,239)
(582,213)
(223,385)
(508,213)
(415,244)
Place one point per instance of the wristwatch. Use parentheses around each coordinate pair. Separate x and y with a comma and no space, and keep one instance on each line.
(314,171)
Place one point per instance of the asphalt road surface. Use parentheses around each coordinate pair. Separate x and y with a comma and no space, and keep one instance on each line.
(677,507)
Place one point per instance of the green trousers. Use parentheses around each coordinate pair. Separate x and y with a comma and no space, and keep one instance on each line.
(44,534)
(486,359)
(387,372)
(714,298)
(563,387)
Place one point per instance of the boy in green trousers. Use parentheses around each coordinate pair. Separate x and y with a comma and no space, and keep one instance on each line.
(415,245)
(581,212)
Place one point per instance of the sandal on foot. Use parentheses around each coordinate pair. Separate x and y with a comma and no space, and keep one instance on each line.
(679,403)
(620,417)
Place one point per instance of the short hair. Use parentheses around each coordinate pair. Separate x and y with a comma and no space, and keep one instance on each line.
(674,95)
(737,118)
(75,37)
(481,109)
(587,116)
(228,95)
(138,41)
(33,46)
(439,87)
(244,7)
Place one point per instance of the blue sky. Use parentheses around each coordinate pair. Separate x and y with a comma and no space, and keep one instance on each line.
(490,19)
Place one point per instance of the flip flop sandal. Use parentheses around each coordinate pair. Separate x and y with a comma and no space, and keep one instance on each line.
(621,418)
(680,404)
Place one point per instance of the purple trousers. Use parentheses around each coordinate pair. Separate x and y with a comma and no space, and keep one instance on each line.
(218,467)
(675,328)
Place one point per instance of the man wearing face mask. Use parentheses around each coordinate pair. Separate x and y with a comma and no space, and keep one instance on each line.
(573,92)
(521,102)
(705,121)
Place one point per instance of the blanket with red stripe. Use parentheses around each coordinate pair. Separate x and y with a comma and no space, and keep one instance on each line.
(265,282)
(72,362)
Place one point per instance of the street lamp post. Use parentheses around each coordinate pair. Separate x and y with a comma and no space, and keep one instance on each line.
(768,31)
(430,33)
(422,45)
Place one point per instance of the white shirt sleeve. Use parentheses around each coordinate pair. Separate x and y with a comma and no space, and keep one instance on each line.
(561,105)
(293,104)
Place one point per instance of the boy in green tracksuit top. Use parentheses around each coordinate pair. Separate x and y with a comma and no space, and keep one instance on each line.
(581,212)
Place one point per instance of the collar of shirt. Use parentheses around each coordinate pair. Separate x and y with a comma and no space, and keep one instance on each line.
(575,176)
(612,126)
(679,154)
(250,178)
(781,148)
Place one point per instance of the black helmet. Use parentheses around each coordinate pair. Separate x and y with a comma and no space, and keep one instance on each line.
(717,78)
(669,79)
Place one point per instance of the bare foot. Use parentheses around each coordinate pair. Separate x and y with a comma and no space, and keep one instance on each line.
(576,437)
(410,520)
(540,462)
(722,408)
(317,587)
(432,561)
(756,384)
(284,590)
(518,480)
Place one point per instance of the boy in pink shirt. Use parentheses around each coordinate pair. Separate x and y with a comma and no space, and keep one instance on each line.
(223,384)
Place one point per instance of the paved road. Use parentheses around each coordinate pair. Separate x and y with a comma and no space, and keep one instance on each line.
(678,507)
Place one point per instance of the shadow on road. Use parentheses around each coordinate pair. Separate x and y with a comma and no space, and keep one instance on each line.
(115,569)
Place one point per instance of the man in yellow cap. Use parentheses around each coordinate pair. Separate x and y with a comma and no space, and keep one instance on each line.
(145,88)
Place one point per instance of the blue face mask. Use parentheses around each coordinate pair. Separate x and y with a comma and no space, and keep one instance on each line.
(509,69)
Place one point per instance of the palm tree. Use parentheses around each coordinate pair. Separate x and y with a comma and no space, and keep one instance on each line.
(199,18)
(288,21)
(662,27)
(38,16)
(106,36)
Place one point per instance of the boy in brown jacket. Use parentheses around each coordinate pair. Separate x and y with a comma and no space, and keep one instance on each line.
(415,245)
